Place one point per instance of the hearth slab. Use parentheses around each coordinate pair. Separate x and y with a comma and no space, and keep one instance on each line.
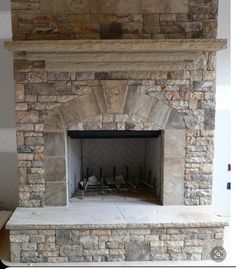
(106,214)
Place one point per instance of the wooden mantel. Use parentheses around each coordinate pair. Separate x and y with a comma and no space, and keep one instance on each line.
(116,55)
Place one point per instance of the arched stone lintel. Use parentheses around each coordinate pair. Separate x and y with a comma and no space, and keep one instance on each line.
(85,108)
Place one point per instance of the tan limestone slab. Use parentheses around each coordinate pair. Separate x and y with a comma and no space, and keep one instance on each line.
(81,214)
(173,189)
(117,45)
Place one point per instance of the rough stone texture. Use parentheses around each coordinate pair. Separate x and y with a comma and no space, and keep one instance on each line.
(54,93)
(167,244)
(173,100)
(91,19)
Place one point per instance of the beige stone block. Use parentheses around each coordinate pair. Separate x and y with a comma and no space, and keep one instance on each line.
(121,7)
(99,95)
(209,75)
(137,238)
(55,169)
(79,88)
(151,238)
(58,259)
(114,93)
(120,126)
(15,252)
(47,98)
(109,126)
(64,98)
(31,98)
(20,93)
(138,104)
(54,144)
(25,156)
(97,119)
(38,157)
(87,106)
(77,20)
(174,181)
(37,238)
(55,194)
(53,7)
(19,238)
(117,252)
(21,106)
(174,6)
(175,121)
(19,138)
(22,66)
(54,122)
(92,126)
(174,143)
(27,116)
(22,175)
(102,6)
(39,127)
(119,238)
(37,77)
(107,117)
(159,114)
(70,112)
(25,127)
(49,247)
(78,7)
(149,6)
(21,163)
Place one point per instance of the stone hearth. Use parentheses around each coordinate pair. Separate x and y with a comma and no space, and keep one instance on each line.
(158,75)
(102,230)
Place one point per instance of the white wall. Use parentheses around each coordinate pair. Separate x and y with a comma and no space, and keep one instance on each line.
(8,173)
(221,196)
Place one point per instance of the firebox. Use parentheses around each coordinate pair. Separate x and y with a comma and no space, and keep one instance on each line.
(114,162)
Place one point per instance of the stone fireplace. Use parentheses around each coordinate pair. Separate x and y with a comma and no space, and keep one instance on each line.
(137,101)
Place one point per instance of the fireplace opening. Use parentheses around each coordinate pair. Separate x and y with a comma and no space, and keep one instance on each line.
(118,164)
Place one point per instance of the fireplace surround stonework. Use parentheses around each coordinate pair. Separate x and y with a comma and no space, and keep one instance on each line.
(158,74)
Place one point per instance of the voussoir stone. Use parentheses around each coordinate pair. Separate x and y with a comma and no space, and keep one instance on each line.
(114,95)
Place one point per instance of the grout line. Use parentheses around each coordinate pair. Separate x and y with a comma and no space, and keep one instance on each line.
(115,204)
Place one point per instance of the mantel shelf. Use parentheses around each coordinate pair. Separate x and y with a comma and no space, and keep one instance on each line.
(117,55)
(117,45)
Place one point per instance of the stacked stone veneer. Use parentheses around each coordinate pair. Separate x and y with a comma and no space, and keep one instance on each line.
(139,244)
(185,98)
(95,19)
